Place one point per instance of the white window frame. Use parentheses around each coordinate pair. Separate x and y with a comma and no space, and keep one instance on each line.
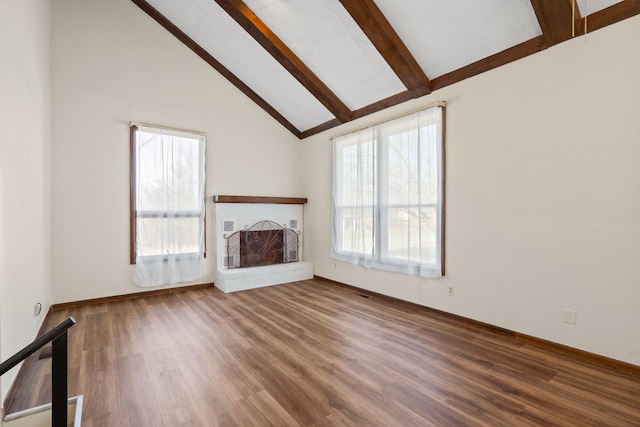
(377,252)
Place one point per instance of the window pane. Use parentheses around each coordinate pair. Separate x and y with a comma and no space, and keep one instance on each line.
(357,230)
(403,173)
(429,164)
(168,172)
(411,234)
(358,174)
(412,167)
(162,236)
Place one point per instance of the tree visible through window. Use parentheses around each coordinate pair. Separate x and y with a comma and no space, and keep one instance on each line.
(167,205)
(388,195)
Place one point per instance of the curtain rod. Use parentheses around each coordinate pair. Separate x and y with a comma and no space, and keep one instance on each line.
(167,128)
(433,104)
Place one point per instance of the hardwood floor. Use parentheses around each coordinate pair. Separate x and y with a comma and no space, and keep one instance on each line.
(314,353)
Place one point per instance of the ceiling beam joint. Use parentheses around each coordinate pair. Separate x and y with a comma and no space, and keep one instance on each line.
(559,19)
(377,28)
(248,20)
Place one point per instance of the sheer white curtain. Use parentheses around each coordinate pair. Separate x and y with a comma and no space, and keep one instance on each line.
(170,208)
(355,197)
(387,195)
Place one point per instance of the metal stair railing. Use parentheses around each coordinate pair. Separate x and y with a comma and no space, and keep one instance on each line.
(58,337)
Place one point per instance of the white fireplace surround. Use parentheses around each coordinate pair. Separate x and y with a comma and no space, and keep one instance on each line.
(241,212)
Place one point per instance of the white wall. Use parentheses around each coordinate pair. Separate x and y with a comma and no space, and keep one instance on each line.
(25,172)
(543,197)
(113,64)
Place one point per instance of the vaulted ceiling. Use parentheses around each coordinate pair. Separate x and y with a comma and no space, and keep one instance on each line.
(314,64)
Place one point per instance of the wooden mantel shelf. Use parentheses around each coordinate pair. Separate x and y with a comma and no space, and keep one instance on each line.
(260,199)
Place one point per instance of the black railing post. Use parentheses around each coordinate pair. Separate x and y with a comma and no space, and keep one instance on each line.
(59,396)
(58,338)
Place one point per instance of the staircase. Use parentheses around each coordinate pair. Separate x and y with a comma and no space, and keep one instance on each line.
(62,412)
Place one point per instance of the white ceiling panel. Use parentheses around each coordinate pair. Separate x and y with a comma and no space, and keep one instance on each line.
(325,37)
(587,7)
(343,68)
(447,35)
(210,26)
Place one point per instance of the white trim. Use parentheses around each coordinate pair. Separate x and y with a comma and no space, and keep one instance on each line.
(75,416)
(166,128)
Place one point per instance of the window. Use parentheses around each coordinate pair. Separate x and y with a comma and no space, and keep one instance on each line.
(388,195)
(167,205)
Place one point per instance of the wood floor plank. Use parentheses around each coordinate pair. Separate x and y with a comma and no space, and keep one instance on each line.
(261,409)
(134,393)
(178,406)
(99,392)
(314,353)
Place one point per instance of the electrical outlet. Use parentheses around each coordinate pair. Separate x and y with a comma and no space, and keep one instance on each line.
(451,290)
(570,316)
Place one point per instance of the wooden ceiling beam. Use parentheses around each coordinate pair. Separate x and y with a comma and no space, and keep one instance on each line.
(555,19)
(202,53)
(248,20)
(377,28)
(494,61)
(611,15)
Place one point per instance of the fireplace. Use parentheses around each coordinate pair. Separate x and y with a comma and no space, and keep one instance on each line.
(259,242)
(264,243)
